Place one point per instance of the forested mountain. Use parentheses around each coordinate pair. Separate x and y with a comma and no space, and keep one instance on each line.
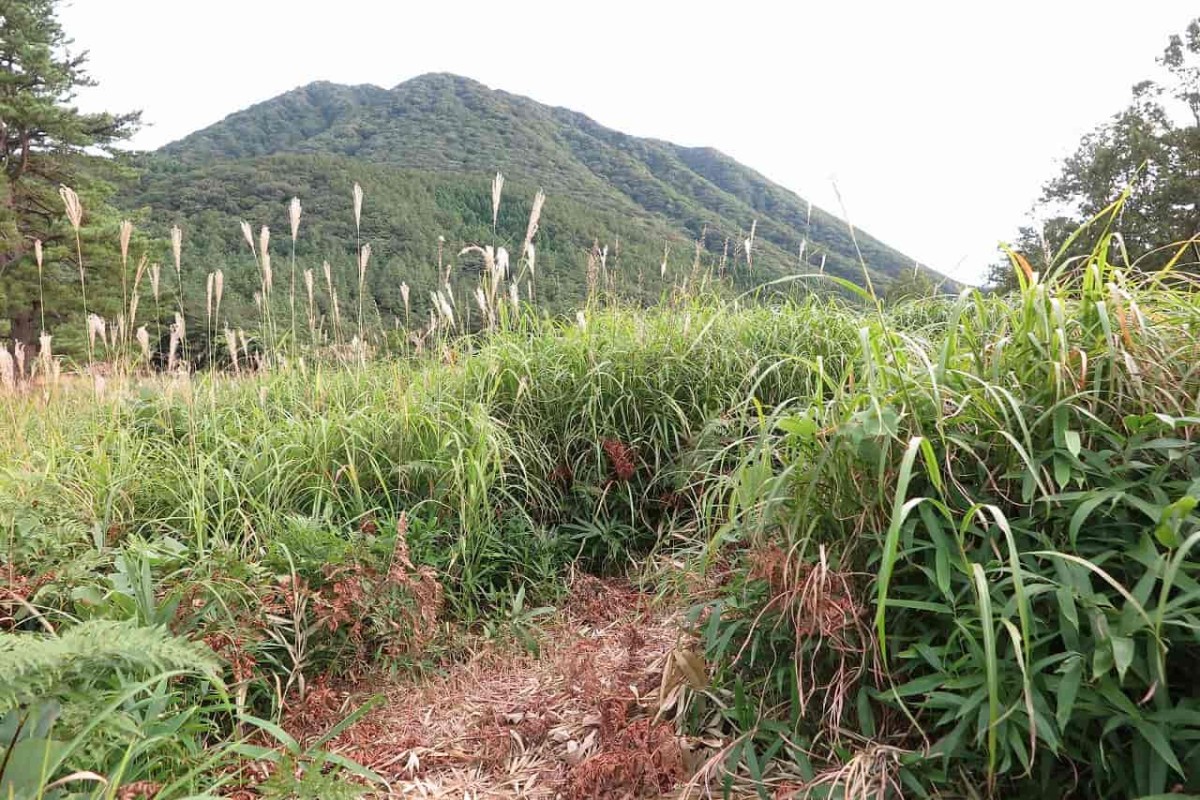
(424,153)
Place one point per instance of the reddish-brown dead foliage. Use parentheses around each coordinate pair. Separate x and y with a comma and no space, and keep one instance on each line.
(562,475)
(642,759)
(139,790)
(622,457)
(577,720)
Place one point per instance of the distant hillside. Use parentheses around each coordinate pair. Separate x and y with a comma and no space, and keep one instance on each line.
(424,152)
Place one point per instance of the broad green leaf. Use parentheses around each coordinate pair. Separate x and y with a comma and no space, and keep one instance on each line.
(1068,690)
(1123,652)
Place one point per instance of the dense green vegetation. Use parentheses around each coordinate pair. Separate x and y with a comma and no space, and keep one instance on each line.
(404,215)
(451,125)
(935,546)
(423,151)
(652,212)
(949,547)
(45,142)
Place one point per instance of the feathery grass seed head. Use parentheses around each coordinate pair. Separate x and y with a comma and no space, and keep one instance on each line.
(73,207)
(497,188)
(177,247)
(126,233)
(294,216)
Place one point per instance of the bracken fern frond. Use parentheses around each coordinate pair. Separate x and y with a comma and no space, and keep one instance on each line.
(34,665)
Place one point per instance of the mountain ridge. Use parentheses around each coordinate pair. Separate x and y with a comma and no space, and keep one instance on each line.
(442,129)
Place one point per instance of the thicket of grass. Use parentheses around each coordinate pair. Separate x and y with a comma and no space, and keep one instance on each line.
(944,549)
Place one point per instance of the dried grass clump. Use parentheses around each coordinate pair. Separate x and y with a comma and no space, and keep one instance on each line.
(560,724)
(644,759)
(826,615)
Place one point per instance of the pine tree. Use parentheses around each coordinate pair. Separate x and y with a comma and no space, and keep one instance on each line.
(46,141)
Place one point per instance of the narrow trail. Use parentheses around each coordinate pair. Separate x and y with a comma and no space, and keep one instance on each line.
(581,719)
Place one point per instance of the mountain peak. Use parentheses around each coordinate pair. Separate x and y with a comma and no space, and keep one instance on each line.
(446,124)
(442,79)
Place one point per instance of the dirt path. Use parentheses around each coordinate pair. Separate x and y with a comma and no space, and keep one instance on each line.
(576,721)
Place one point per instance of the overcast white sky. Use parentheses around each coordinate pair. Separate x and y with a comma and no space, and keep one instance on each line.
(938,121)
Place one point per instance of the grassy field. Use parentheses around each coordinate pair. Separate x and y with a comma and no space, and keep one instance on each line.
(944,548)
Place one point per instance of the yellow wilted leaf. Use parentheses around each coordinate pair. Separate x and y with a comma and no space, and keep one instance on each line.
(693,668)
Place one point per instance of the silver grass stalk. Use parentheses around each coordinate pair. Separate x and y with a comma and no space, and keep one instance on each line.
(96,327)
(294,216)
(662,270)
(364,257)
(248,234)
(173,348)
(19,357)
(502,263)
(441,245)
(219,287)
(444,307)
(45,352)
(155,274)
(328,277)
(8,375)
(177,248)
(308,288)
(126,233)
(514,297)
(74,211)
(363,260)
(494,284)
(135,299)
(497,188)
(268,275)
(748,245)
(358,201)
(231,344)
(531,229)
(404,296)
(73,207)
(37,255)
(481,301)
(143,339)
(531,258)
(208,297)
